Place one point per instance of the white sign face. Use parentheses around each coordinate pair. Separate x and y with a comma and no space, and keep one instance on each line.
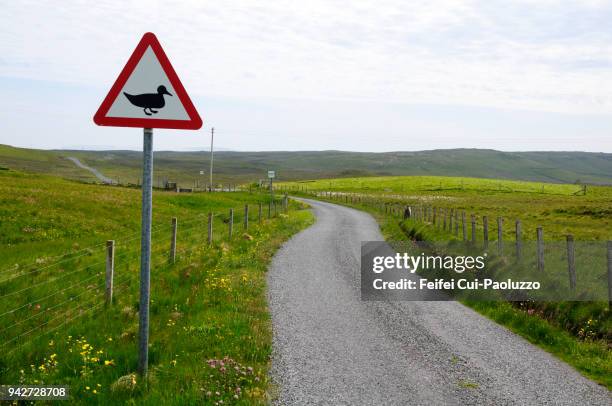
(148,93)
(201,172)
(144,88)
(271,174)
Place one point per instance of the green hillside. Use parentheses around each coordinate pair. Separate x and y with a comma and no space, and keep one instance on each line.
(207,307)
(185,167)
(39,161)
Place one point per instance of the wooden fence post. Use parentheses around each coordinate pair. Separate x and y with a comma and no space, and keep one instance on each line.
(246,217)
(571,262)
(473,221)
(500,242)
(456,224)
(173,241)
(609,247)
(210,228)
(540,248)
(110,271)
(444,222)
(259,213)
(464,227)
(231,223)
(485,231)
(517,238)
(270,209)
(435,215)
(450,220)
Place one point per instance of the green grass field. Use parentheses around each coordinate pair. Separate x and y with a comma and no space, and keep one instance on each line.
(210,336)
(560,209)
(577,332)
(210,308)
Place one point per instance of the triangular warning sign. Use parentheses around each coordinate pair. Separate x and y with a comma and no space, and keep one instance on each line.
(148,93)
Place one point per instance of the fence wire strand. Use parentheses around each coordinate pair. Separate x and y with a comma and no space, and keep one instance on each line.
(124,259)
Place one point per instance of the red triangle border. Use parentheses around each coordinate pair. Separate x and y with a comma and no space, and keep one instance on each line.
(148,40)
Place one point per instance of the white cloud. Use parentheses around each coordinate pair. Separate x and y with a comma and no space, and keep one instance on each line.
(533,55)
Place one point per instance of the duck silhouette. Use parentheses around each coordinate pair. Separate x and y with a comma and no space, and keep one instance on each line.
(149,101)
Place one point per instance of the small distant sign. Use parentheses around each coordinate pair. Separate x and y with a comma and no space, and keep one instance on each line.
(201,172)
(271,174)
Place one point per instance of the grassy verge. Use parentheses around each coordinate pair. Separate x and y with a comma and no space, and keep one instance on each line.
(210,336)
(554,327)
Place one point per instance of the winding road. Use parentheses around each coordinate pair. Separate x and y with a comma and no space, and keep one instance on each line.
(332,348)
(96,172)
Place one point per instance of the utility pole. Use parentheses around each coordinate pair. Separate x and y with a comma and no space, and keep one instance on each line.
(212,138)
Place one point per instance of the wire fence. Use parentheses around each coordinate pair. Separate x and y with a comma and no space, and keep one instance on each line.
(37,300)
(580,270)
(480,185)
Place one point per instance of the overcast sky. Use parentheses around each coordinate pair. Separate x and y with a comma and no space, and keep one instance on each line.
(311,75)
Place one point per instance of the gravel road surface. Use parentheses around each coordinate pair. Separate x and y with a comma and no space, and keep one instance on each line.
(96,172)
(331,348)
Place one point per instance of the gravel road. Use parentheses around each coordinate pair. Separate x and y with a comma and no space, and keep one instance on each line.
(96,172)
(331,348)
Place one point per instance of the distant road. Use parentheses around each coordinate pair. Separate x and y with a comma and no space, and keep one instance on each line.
(332,348)
(96,172)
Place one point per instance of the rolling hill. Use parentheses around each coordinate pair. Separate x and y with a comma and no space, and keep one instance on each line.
(185,167)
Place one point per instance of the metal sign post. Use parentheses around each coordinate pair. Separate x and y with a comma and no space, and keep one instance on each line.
(145,251)
(212,138)
(271,175)
(147,94)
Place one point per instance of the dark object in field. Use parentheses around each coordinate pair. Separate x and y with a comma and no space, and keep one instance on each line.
(149,101)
